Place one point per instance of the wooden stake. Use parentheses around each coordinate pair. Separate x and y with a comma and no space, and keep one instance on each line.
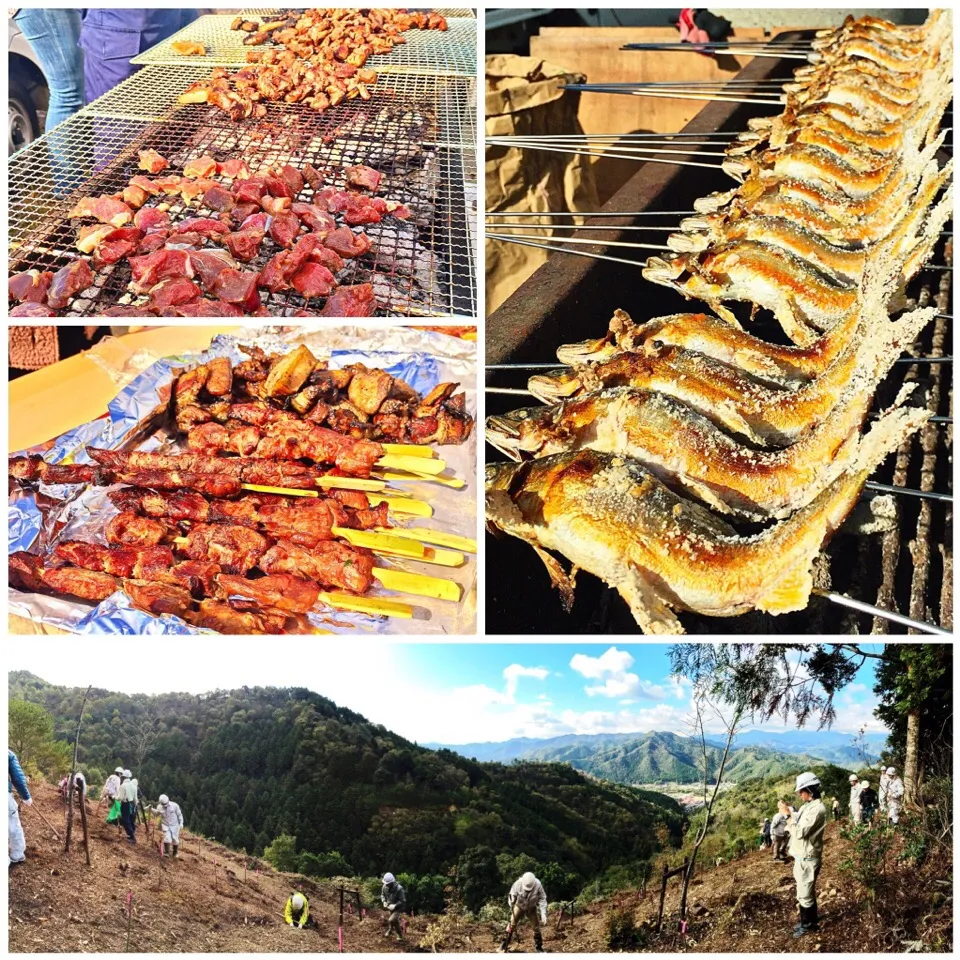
(129,918)
(83,823)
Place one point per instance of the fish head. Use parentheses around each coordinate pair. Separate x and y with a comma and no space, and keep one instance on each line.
(519,434)
(585,351)
(555,385)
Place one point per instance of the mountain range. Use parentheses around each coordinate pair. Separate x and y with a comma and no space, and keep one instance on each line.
(658,757)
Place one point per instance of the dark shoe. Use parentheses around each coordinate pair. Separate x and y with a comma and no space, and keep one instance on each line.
(176,849)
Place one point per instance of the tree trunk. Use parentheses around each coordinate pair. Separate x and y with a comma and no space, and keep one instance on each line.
(910,771)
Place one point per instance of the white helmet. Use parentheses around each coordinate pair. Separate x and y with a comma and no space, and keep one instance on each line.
(807,780)
(389,878)
(119,770)
(891,771)
(164,799)
(298,901)
(854,778)
(528,881)
(866,783)
(127,774)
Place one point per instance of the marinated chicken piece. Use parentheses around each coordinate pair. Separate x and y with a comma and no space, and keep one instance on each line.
(369,388)
(188,48)
(118,561)
(221,617)
(67,282)
(236,549)
(220,377)
(152,162)
(130,529)
(86,584)
(331,564)
(26,571)
(282,591)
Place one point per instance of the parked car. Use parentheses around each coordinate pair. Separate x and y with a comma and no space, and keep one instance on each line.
(29,93)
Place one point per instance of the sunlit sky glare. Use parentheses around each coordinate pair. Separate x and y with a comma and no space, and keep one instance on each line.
(443,693)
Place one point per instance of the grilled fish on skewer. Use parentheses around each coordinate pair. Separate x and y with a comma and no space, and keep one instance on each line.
(663,553)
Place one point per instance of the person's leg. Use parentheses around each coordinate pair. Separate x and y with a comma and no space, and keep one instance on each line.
(17,849)
(53,35)
(537,935)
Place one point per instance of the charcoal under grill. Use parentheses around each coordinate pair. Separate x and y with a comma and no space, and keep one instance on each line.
(906,567)
(417,129)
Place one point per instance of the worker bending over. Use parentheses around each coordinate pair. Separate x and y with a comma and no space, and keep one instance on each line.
(527,900)
(297,911)
(394,900)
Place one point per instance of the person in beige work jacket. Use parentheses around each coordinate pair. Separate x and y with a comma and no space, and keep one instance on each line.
(806,848)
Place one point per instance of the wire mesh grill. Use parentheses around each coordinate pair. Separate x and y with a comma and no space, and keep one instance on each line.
(254,13)
(453,51)
(420,267)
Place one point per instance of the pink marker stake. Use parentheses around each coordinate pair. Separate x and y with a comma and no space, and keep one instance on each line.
(340,937)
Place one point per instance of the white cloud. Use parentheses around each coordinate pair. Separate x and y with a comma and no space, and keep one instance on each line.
(515,671)
(613,661)
(612,668)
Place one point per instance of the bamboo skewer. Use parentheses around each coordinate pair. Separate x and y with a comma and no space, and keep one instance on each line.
(408,449)
(454,482)
(415,508)
(285,491)
(380,541)
(418,584)
(351,483)
(370,605)
(438,537)
(601,88)
(412,464)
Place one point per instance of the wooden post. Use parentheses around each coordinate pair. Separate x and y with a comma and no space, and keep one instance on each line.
(340,928)
(66,847)
(663,896)
(129,918)
(215,875)
(686,875)
(73,771)
(356,894)
(83,823)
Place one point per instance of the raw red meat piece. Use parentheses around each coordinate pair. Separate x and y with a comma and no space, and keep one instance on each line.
(207,265)
(399,210)
(332,261)
(244,244)
(150,218)
(272,275)
(183,240)
(148,271)
(30,287)
(134,197)
(360,213)
(347,243)
(250,191)
(128,311)
(313,176)
(117,245)
(293,178)
(235,286)
(314,217)
(234,169)
(356,301)
(209,308)
(284,265)
(169,184)
(205,226)
(191,189)
(218,198)
(91,234)
(284,229)
(305,313)
(153,241)
(243,210)
(67,282)
(170,293)
(257,221)
(152,162)
(313,280)
(145,184)
(104,209)
(204,166)
(366,178)
(278,187)
(276,205)
(29,309)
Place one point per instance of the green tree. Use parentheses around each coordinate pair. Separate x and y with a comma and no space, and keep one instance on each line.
(282,853)
(31,737)
(478,878)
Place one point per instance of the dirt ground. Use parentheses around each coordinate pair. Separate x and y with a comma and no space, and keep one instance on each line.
(202,902)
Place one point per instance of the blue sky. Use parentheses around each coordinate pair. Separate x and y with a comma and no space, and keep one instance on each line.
(444,693)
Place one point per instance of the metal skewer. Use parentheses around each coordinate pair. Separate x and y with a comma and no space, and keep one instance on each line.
(632,156)
(578,226)
(556,365)
(607,88)
(573,253)
(585,240)
(899,618)
(576,213)
(909,491)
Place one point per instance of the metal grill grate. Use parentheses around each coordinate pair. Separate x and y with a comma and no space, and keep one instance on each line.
(420,267)
(255,12)
(453,51)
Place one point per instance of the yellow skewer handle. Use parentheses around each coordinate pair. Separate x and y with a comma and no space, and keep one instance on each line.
(380,541)
(415,508)
(455,482)
(434,536)
(350,483)
(412,464)
(372,605)
(181,541)
(284,491)
(418,584)
(443,558)
(408,449)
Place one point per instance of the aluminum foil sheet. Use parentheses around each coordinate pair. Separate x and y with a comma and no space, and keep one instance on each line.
(40,518)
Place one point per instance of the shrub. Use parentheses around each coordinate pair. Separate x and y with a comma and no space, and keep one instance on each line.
(621,931)
(282,854)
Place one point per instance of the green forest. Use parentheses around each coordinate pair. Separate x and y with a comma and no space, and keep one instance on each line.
(253,765)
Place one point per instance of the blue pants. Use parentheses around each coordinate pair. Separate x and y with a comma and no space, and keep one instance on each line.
(128,819)
(53,36)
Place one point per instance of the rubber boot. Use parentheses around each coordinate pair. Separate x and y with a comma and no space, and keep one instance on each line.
(176,849)
(814,917)
(798,926)
(166,849)
(537,941)
(807,922)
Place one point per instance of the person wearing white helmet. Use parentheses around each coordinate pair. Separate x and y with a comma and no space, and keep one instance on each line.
(394,900)
(778,832)
(527,900)
(112,786)
(882,785)
(171,820)
(868,802)
(806,848)
(128,805)
(855,798)
(297,911)
(894,795)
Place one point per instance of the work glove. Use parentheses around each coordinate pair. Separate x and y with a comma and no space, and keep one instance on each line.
(392,907)
(28,802)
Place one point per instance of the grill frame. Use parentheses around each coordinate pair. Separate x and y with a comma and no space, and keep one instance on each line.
(571,297)
(88,154)
(453,51)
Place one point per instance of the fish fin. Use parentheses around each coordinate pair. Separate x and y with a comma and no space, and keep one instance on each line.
(796,327)
(791,593)
(724,314)
(649,609)
(565,582)
(886,434)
